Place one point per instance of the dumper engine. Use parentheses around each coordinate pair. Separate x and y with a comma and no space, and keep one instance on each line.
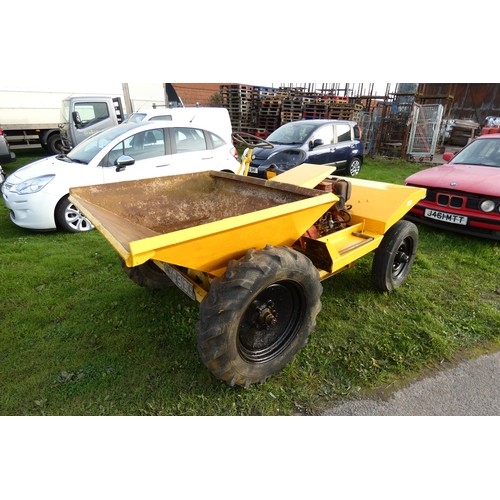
(338,216)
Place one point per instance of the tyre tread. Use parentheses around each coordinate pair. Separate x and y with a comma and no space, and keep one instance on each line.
(223,305)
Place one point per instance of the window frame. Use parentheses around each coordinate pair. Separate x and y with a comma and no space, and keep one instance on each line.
(166,147)
(97,119)
(173,144)
(337,126)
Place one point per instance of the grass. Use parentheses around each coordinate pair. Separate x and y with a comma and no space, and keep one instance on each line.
(79,338)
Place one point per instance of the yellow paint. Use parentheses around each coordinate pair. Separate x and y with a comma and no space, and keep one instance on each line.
(305,175)
(380,205)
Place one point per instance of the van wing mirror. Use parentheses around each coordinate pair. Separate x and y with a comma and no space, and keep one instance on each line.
(76,119)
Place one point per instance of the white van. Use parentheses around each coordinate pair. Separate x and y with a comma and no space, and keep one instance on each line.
(216,119)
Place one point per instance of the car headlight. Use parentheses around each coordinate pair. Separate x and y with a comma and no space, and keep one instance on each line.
(487,206)
(32,185)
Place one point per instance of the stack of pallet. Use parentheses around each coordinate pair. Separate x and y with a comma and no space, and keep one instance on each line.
(315,109)
(269,112)
(241,101)
(343,110)
(292,108)
(261,110)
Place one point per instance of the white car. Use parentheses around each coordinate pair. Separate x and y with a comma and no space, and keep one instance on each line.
(37,194)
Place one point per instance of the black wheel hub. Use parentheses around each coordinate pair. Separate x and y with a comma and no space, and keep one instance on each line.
(271,322)
(266,315)
(402,257)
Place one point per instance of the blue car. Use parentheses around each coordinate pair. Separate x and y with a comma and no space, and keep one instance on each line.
(323,142)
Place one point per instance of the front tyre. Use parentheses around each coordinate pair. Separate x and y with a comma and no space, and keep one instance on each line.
(258,315)
(69,218)
(54,144)
(395,255)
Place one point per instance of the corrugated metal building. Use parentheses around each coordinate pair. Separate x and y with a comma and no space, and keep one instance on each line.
(463,101)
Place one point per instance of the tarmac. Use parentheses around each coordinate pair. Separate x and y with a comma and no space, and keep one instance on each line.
(471,388)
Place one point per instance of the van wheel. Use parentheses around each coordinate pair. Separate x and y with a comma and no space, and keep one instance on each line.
(258,315)
(54,144)
(69,218)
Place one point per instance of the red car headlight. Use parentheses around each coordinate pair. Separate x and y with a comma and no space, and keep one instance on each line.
(487,206)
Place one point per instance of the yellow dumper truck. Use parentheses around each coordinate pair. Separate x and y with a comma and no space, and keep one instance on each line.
(253,252)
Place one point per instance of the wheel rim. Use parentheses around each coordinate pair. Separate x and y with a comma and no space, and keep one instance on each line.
(402,258)
(355,167)
(76,220)
(271,322)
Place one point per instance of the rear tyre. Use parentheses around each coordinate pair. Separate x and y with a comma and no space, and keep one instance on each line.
(148,275)
(354,167)
(258,315)
(69,218)
(395,255)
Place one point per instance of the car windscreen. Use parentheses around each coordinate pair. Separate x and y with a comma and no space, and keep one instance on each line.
(86,150)
(292,133)
(480,152)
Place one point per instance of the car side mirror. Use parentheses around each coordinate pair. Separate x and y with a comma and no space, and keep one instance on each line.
(123,162)
(76,119)
(448,156)
(316,143)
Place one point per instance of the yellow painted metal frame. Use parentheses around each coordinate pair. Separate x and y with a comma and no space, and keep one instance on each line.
(307,175)
(245,163)
(379,205)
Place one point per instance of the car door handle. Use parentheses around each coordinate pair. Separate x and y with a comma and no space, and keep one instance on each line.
(208,158)
(333,149)
(164,165)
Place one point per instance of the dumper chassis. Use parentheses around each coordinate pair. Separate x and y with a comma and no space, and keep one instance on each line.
(256,259)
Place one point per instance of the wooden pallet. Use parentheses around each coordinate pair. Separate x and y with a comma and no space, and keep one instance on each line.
(315,111)
(291,116)
(336,113)
(269,123)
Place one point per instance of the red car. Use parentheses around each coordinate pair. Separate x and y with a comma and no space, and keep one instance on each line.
(464,194)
